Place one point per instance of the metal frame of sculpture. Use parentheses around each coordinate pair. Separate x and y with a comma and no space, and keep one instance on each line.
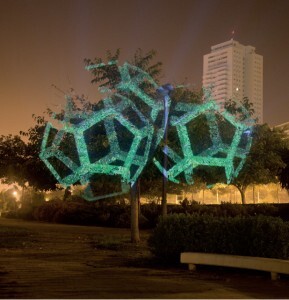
(219,154)
(115,116)
(147,132)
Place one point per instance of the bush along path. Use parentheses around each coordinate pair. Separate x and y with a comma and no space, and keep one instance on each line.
(260,236)
(80,212)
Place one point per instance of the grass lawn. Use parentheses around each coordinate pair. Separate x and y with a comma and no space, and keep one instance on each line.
(14,237)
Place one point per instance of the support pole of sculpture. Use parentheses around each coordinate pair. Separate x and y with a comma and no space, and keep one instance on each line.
(164,91)
(165,179)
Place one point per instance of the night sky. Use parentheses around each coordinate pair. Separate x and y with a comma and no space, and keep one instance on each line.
(44,42)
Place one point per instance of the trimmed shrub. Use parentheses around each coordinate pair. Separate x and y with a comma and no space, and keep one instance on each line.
(151,212)
(75,213)
(260,236)
(226,209)
(47,210)
(283,211)
(78,211)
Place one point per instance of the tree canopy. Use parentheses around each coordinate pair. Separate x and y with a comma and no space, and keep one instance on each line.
(264,162)
(19,159)
(12,159)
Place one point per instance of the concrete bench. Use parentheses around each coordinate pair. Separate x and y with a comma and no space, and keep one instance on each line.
(272,265)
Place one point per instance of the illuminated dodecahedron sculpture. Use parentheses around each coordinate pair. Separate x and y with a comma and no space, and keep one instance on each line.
(205,136)
(116,140)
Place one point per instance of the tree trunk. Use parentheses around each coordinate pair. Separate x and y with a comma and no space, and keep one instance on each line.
(134,210)
(242,191)
(67,193)
(243,197)
(138,195)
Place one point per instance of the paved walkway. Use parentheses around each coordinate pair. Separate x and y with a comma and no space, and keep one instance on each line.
(62,263)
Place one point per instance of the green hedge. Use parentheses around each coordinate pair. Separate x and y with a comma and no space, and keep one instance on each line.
(81,212)
(104,213)
(261,236)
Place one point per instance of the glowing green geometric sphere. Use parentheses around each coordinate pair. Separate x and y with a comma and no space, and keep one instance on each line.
(223,141)
(116,140)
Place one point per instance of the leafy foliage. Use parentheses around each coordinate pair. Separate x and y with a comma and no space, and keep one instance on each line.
(264,161)
(19,159)
(250,236)
(234,108)
(283,174)
(12,159)
(107,75)
(37,175)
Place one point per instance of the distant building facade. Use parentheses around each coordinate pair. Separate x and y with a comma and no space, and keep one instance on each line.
(234,71)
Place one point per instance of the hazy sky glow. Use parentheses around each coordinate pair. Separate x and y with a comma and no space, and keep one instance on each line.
(44,42)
